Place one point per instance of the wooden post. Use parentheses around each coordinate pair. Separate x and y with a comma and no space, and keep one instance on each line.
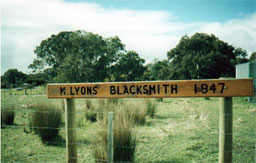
(225,130)
(71,150)
(110,137)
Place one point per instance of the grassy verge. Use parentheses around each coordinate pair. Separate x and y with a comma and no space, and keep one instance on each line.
(183,130)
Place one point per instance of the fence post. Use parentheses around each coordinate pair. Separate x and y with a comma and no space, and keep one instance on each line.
(225,130)
(26,92)
(110,137)
(71,150)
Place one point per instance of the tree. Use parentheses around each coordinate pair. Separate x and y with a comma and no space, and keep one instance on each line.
(14,77)
(36,79)
(204,56)
(128,68)
(77,56)
(157,70)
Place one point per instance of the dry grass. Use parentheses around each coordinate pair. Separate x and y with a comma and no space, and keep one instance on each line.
(151,108)
(90,111)
(7,115)
(46,121)
(124,139)
(135,112)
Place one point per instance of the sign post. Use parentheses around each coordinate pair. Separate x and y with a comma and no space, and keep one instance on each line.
(224,88)
(225,130)
(110,137)
(70,130)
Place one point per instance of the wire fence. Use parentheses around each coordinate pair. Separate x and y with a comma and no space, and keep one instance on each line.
(187,133)
(23,91)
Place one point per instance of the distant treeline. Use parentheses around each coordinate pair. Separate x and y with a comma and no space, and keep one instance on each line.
(80,56)
(13,78)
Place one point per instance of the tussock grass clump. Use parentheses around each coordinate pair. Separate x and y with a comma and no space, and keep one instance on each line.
(151,108)
(124,140)
(7,115)
(113,101)
(91,115)
(159,99)
(97,112)
(100,153)
(101,102)
(102,110)
(136,113)
(88,104)
(90,111)
(46,121)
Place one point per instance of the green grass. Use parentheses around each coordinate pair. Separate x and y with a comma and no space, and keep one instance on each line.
(183,130)
(124,139)
(30,91)
(46,115)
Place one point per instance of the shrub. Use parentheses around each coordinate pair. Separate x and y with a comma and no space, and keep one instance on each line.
(151,108)
(124,140)
(46,121)
(7,116)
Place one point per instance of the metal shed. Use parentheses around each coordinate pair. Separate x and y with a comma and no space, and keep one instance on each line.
(248,70)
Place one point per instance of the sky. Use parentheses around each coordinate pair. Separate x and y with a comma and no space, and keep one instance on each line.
(149,27)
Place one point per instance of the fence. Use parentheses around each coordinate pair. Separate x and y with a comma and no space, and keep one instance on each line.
(23,91)
(183,130)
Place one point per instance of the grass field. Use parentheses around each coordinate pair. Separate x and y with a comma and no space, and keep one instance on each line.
(21,91)
(183,130)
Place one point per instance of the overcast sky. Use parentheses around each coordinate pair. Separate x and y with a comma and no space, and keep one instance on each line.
(149,27)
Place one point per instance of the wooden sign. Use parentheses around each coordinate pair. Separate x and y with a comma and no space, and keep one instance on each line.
(154,89)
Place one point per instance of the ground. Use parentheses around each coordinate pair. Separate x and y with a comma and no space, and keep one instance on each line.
(183,130)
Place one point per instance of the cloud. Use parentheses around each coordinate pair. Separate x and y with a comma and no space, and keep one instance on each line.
(151,33)
(237,32)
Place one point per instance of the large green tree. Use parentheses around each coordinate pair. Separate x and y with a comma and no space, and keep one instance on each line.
(157,70)
(129,67)
(77,56)
(204,56)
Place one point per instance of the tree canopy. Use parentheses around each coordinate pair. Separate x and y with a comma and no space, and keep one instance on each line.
(157,70)
(77,56)
(129,67)
(13,77)
(204,56)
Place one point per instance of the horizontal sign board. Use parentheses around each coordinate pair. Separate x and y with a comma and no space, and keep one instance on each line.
(154,89)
